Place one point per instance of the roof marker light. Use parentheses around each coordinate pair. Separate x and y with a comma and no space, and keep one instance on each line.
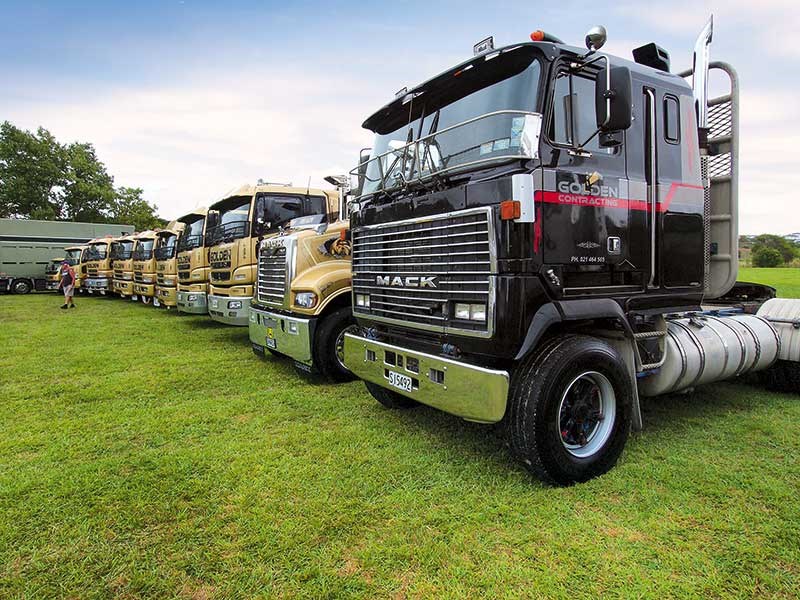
(537,36)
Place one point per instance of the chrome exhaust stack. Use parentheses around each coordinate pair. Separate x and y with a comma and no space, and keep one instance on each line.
(700,63)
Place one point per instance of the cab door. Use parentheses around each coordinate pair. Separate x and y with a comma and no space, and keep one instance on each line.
(585,196)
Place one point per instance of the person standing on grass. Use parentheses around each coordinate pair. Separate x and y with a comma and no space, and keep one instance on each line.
(67,284)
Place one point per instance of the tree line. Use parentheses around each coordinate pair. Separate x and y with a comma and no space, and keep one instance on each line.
(769,250)
(41,178)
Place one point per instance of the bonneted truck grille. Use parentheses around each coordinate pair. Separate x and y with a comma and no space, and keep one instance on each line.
(271,287)
(415,272)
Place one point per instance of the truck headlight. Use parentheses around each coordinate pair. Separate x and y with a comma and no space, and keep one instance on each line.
(147,279)
(234,304)
(240,277)
(305,299)
(253,317)
(470,312)
(362,300)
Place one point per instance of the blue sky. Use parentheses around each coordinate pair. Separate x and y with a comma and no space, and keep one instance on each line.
(188,99)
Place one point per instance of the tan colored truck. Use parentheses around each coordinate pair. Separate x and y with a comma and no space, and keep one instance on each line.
(245,216)
(144,267)
(75,257)
(122,264)
(302,305)
(167,266)
(52,273)
(192,262)
(99,273)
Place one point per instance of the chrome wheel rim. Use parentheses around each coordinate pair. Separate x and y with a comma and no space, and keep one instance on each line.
(338,349)
(586,414)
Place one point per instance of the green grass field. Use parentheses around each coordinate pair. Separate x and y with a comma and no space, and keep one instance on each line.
(146,454)
(786,281)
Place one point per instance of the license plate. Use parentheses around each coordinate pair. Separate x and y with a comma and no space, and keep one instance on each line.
(214,304)
(271,341)
(401,382)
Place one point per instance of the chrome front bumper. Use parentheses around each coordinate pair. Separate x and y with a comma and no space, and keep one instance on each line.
(98,284)
(468,391)
(219,310)
(291,336)
(195,303)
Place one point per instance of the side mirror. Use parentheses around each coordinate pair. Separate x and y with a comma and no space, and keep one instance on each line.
(613,99)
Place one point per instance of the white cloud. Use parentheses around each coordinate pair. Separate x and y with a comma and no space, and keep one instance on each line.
(188,142)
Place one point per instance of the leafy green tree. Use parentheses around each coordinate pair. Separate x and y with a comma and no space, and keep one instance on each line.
(130,208)
(784,247)
(32,173)
(42,179)
(89,191)
(767,257)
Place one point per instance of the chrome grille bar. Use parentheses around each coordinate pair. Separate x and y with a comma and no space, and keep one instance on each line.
(271,283)
(461,269)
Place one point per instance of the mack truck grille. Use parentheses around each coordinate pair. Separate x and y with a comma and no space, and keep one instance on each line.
(418,272)
(271,287)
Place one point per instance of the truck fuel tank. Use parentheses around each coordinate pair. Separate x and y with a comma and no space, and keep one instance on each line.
(704,348)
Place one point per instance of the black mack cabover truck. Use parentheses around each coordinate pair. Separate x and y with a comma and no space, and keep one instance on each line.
(540,234)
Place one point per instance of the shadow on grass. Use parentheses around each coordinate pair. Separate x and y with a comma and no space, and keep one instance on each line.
(676,415)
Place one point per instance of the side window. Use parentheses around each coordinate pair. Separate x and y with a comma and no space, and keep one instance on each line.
(283,209)
(574,118)
(672,125)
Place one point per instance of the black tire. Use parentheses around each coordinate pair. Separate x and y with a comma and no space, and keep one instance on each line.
(783,376)
(21,286)
(389,398)
(327,345)
(552,443)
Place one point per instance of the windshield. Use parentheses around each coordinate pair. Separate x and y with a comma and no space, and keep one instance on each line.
(481,114)
(144,250)
(192,236)
(277,210)
(166,247)
(73,257)
(232,221)
(53,266)
(96,251)
(121,250)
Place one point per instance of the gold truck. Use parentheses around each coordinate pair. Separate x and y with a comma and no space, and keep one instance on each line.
(192,262)
(244,217)
(122,264)
(52,273)
(99,273)
(302,305)
(144,266)
(166,265)
(75,257)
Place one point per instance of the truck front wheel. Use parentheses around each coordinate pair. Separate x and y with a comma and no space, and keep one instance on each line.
(569,411)
(329,345)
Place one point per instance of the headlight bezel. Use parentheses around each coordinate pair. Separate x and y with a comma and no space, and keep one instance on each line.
(305,299)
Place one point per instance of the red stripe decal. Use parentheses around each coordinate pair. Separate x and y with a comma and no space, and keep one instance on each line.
(567,199)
